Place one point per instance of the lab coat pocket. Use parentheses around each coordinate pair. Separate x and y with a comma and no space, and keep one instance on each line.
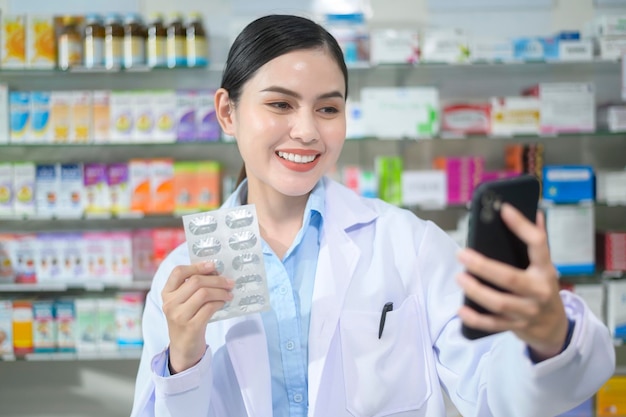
(387,375)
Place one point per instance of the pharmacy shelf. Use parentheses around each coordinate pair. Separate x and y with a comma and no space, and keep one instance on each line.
(98,286)
(130,354)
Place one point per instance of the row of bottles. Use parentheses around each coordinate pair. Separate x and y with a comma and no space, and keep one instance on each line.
(112,42)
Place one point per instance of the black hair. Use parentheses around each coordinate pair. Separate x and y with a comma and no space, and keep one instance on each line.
(267,38)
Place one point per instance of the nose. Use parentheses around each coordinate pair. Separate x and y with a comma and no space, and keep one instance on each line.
(304,127)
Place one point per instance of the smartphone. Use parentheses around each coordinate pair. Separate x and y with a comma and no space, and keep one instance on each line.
(490,236)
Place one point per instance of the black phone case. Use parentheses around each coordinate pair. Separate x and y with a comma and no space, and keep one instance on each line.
(489,235)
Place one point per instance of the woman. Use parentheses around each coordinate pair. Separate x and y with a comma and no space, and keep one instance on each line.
(333,260)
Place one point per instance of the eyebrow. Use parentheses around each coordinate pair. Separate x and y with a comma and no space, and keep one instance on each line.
(286,91)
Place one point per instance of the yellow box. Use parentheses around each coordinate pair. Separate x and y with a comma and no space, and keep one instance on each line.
(61,116)
(40,42)
(13,38)
(611,398)
(22,326)
(81,115)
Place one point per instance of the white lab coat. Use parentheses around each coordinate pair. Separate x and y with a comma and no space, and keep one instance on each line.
(372,253)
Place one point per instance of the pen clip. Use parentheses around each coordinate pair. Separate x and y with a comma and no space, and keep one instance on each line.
(383,316)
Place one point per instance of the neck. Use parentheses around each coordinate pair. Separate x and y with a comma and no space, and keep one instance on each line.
(280,216)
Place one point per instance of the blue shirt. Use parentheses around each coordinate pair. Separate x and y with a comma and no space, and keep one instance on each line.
(290,282)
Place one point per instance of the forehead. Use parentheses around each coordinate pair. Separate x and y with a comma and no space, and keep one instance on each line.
(317,65)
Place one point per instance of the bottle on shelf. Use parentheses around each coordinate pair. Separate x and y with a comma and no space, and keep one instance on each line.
(176,42)
(134,41)
(156,42)
(93,41)
(69,44)
(113,41)
(197,42)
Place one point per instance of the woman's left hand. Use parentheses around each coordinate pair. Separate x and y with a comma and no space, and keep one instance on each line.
(532,308)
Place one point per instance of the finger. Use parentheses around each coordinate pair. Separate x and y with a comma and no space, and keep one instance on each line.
(197,282)
(497,273)
(206,312)
(487,322)
(498,302)
(534,236)
(198,299)
(180,274)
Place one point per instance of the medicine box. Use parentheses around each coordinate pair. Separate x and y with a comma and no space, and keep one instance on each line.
(107,326)
(396,113)
(567,184)
(209,175)
(65,313)
(101,116)
(491,50)
(161,171)
(61,116)
(22,326)
(120,249)
(24,174)
(71,191)
(44,326)
(128,312)
(8,261)
(97,198)
(40,42)
(571,234)
(7,193)
(40,127)
(13,44)
(4,114)
(566,107)
(19,116)
(122,113)
(207,126)
(164,106)
(47,182)
(118,177)
(466,119)
(611,397)
(49,266)
(139,182)
(444,46)
(86,325)
(6,328)
(611,250)
(611,187)
(515,116)
(394,46)
(81,117)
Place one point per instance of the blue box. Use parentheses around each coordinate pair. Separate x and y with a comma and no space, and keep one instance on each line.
(568,184)
(536,49)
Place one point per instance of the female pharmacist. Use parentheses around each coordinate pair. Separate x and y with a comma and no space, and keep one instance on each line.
(334,260)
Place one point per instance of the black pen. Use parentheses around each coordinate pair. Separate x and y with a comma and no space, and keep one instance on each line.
(386,308)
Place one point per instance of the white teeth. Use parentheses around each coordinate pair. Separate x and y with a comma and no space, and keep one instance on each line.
(299,159)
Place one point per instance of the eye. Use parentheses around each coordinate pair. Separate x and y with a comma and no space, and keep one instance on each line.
(281,105)
(329,110)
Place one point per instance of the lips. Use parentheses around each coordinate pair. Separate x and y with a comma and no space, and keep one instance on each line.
(300,160)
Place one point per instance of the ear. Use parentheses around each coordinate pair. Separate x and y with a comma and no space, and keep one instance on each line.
(224,111)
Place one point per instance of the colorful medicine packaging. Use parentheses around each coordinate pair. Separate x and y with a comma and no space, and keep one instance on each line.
(568,184)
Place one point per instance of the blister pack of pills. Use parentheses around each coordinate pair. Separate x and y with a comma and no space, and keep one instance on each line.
(230,239)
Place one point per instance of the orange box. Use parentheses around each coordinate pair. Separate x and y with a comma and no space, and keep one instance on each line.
(185,187)
(40,42)
(611,398)
(210,185)
(139,180)
(162,186)
(22,327)
(12,41)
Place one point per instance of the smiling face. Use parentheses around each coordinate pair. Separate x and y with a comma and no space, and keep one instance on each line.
(290,122)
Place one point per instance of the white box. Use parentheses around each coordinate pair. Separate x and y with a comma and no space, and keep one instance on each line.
(107,330)
(571,233)
(611,187)
(120,249)
(394,46)
(47,179)
(86,325)
(593,294)
(164,106)
(71,191)
(616,308)
(128,313)
(491,50)
(515,116)
(7,192)
(610,25)
(122,114)
(6,327)
(426,188)
(144,126)
(81,117)
(73,260)
(355,123)
(611,47)
(612,118)
(576,50)
(24,188)
(101,116)
(12,41)
(567,108)
(40,42)
(444,46)
(395,113)
(49,268)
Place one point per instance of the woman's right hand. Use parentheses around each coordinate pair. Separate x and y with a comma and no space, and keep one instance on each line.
(192,294)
